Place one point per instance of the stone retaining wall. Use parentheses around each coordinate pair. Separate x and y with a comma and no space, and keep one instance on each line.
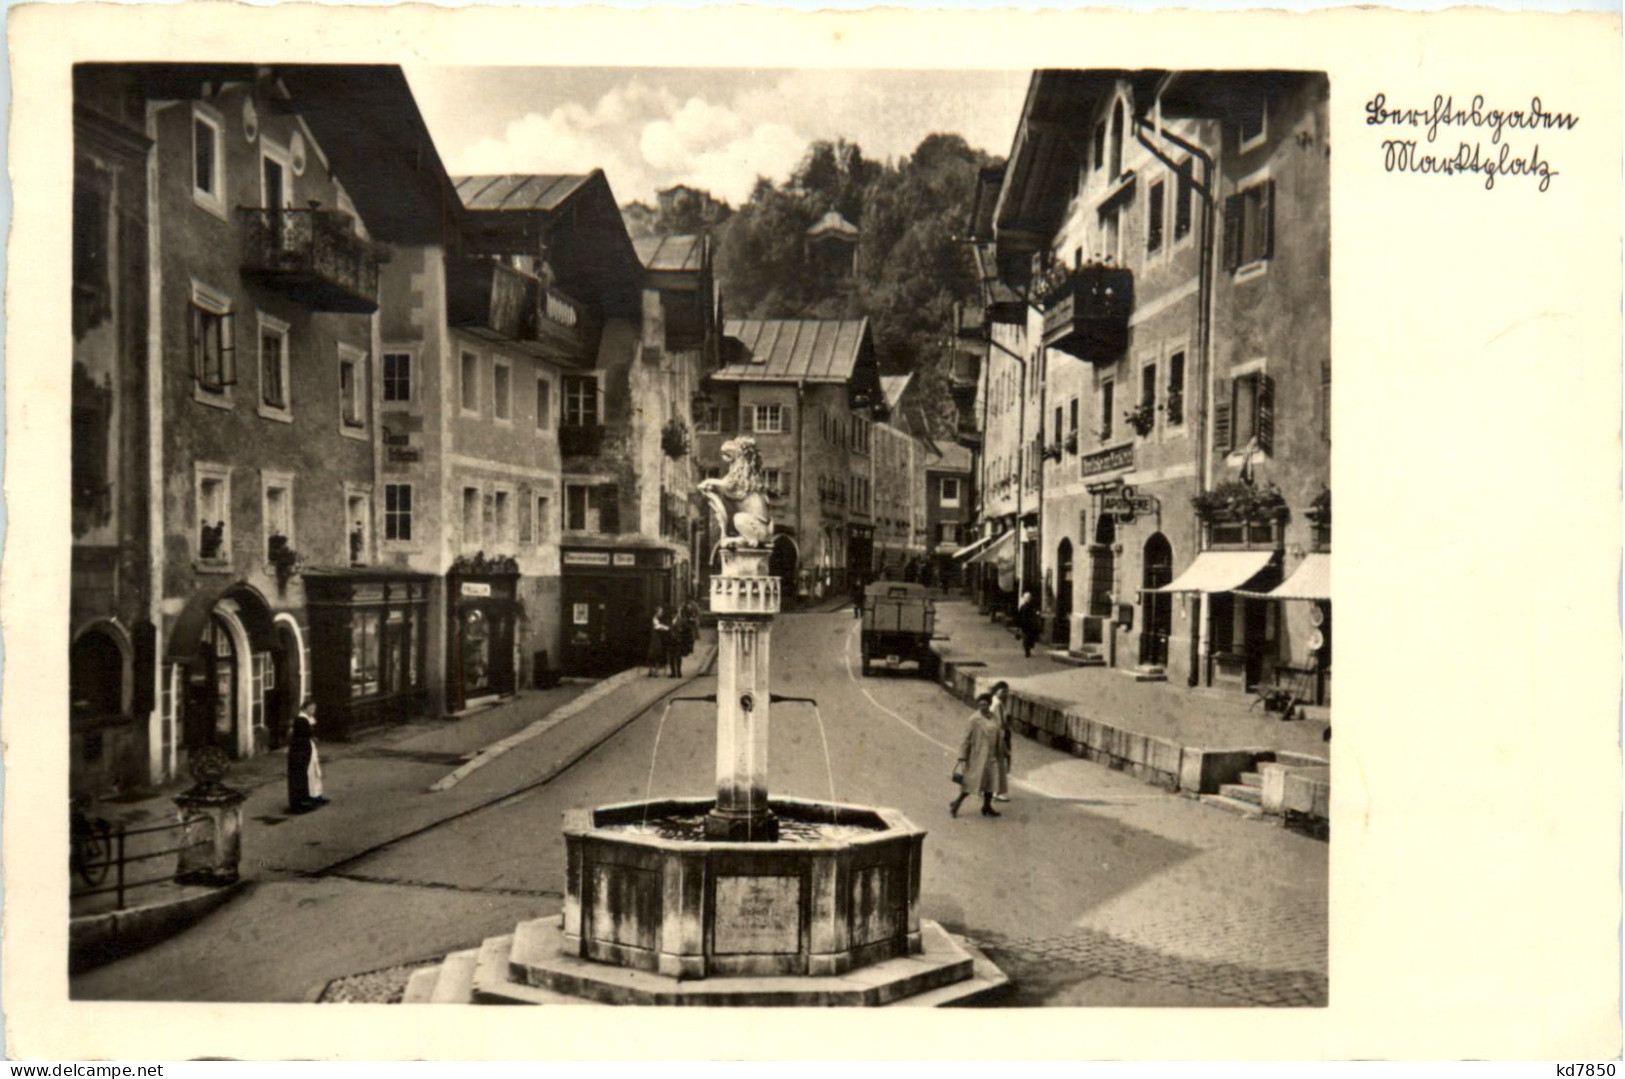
(1292,783)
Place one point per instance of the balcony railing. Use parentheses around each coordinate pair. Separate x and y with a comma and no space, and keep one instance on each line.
(968,432)
(1086,312)
(581,440)
(492,299)
(312,255)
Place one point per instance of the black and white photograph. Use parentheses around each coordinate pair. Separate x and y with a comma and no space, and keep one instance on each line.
(728,533)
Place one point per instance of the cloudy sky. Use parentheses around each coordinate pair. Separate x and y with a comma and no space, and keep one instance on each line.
(714,128)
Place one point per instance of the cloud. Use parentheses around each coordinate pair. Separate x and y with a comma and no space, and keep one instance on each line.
(645,137)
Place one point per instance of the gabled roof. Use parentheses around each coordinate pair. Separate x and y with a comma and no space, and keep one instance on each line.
(953,458)
(793,350)
(669,254)
(892,387)
(514,192)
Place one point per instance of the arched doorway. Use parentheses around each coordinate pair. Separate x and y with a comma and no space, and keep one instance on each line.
(214,684)
(95,676)
(1102,567)
(784,563)
(1159,606)
(224,639)
(1063,592)
(284,685)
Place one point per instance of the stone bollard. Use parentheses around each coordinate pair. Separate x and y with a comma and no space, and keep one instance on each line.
(211,817)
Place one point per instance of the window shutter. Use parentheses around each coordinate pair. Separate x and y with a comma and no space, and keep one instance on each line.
(1268,214)
(228,350)
(747,419)
(787,416)
(608,498)
(1232,231)
(1221,427)
(524,515)
(1266,414)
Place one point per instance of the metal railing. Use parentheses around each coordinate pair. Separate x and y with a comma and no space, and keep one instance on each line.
(322,243)
(99,849)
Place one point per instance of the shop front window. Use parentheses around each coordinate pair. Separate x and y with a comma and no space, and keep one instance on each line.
(364,655)
(476,648)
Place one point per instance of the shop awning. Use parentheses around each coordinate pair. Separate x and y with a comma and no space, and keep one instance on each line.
(1220,571)
(973,547)
(991,551)
(1312,580)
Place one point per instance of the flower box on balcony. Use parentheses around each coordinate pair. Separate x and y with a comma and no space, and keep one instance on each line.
(312,255)
(1143,419)
(1086,312)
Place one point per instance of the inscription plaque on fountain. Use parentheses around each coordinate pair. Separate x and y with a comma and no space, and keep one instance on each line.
(758,914)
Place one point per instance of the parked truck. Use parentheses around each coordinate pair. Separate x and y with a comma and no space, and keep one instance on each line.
(899,620)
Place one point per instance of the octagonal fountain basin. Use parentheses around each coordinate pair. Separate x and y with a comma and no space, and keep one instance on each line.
(839,889)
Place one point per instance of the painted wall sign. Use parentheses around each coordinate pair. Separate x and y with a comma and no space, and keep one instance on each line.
(475,588)
(586,558)
(1109,460)
(627,559)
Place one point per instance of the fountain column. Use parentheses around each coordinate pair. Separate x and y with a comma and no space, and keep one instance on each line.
(745,596)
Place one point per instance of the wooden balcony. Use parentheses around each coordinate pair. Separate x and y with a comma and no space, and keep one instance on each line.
(1086,312)
(490,299)
(968,432)
(311,255)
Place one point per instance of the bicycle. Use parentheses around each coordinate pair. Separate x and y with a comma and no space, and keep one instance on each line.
(90,853)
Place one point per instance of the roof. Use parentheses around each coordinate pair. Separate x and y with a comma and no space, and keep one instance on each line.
(672,253)
(516,192)
(953,458)
(834,224)
(794,350)
(893,387)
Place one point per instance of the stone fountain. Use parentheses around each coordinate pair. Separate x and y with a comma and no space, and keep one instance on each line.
(744,899)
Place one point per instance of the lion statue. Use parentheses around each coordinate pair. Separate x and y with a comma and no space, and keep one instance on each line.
(737,498)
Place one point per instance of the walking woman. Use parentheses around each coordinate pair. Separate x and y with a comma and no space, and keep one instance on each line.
(659,641)
(1001,703)
(304,763)
(683,628)
(978,767)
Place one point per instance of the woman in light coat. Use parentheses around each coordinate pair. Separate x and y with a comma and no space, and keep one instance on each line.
(978,766)
(1001,705)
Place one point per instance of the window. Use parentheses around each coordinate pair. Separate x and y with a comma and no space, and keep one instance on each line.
(208,161)
(1250,121)
(364,681)
(1110,220)
(1249,226)
(278,513)
(358,522)
(471,384)
(1153,216)
(213,344)
(504,518)
(1148,385)
(398,512)
(947,532)
(543,516)
(707,418)
(580,401)
(1182,201)
(544,404)
(502,390)
(950,492)
(471,516)
(1175,408)
(1055,432)
(592,508)
(1072,425)
(274,402)
(1245,418)
(769,419)
(1100,146)
(1106,391)
(276,176)
(1117,140)
(397,376)
(213,495)
(774,479)
(352,390)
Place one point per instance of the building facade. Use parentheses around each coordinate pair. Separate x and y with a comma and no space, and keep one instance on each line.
(1171,229)
(806,390)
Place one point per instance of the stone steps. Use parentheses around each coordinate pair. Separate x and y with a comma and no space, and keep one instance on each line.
(455,985)
(420,986)
(1240,792)
(1234,805)
(1077,659)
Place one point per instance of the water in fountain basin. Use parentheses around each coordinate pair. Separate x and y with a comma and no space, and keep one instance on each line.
(690,827)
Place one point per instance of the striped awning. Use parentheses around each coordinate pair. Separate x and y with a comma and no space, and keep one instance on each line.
(1221,571)
(991,551)
(1312,580)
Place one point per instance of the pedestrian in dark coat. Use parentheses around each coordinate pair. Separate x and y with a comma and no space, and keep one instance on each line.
(857,596)
(305,791)
(1027,622)
(978,767)
(682,640)
(659,641)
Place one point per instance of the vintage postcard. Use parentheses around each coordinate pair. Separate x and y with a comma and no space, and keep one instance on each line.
(736,508)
